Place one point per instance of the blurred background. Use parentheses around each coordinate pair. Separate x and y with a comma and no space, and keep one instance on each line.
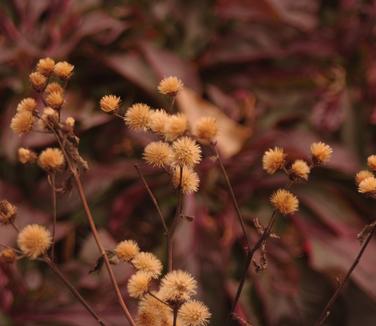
(273,73)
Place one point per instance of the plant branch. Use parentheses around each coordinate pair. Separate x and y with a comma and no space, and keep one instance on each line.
(175,222)
(74,291)
(231,191)
(326,311)
(93,228)
(51,178)
(152,197)
(251,253)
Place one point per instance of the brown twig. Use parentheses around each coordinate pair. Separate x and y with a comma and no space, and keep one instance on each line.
(74,291)
(231,191)
(175,314)
(51,178)
(152,197)
(326,311)
(93,228)
(155,297)
(175,222)
(251,253)
(14,226)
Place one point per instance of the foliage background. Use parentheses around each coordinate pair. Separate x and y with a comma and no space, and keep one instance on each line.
(274,72)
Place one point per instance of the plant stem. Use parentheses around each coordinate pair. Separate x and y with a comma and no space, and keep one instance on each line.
(14,226)
(94,230)
(231,191)
(251,253)
(53,189)
(175,222)
(152,197)
(175,316)
(326,311)
(69,285)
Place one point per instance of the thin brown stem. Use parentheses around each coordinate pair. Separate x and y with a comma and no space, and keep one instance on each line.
(14,226)
(175,316)
(95,232)
(175,222)
(54,213)
(74,291)
(251,253)
(231,191)
(326,311)
(155,297)
(152,197)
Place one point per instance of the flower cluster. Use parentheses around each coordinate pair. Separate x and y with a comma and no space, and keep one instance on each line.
(365,179)
(174,293)
(275,159)
(177,151)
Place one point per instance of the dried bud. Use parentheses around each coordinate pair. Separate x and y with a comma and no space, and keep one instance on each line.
(54,87)
(158,121)
(49,115)
(7,212)
(138,116)
(38,81)
(158,154)
(51,159)
(186,152)
(109,103)
(189,180)
(273,160)
(170,85)
(8,256)
(27,104)
(55,100)
(300,170)
(63,70)
(45,66)
(176,126)
(371,161)
(70,122)
(26,155)
(34,240)
(361,175)
(22,122)
(368,186)
(320,153)
(194,313)
(284,202)
(206,129)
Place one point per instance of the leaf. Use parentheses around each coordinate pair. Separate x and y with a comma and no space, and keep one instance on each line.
(231,135)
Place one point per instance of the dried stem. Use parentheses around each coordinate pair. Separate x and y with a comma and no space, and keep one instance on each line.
(94,230)
(231,191)
(51,178)
(152,197)
(175,316)
(175,222)
(155,297)
(326,311)
(14,226)
(251,253)
(69,285)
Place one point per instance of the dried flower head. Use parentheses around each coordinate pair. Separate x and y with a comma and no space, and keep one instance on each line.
(178,286)
(27,104)
(8,256)
(284,201)
(147,262)
(320,152)
(26,155)
(367,186)
(63,70)
(45,66)
(371,161)
(54,87)
(34,240)
(51,159)
(206,129)
(55,99)
(176,126)
(300,169)
(48,116)
(22,122)
(158,121)
(194,313)
(109,103)
(153,312)
(138,116)
(70,122)
(7,212)
(138,284)
(361,175)
(158,154)
(38,81)
(170,85)
(273,160)
(186,152)
(189,180)
(126,250)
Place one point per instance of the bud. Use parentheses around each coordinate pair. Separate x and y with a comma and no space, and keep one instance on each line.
(7,212)
(8,256)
